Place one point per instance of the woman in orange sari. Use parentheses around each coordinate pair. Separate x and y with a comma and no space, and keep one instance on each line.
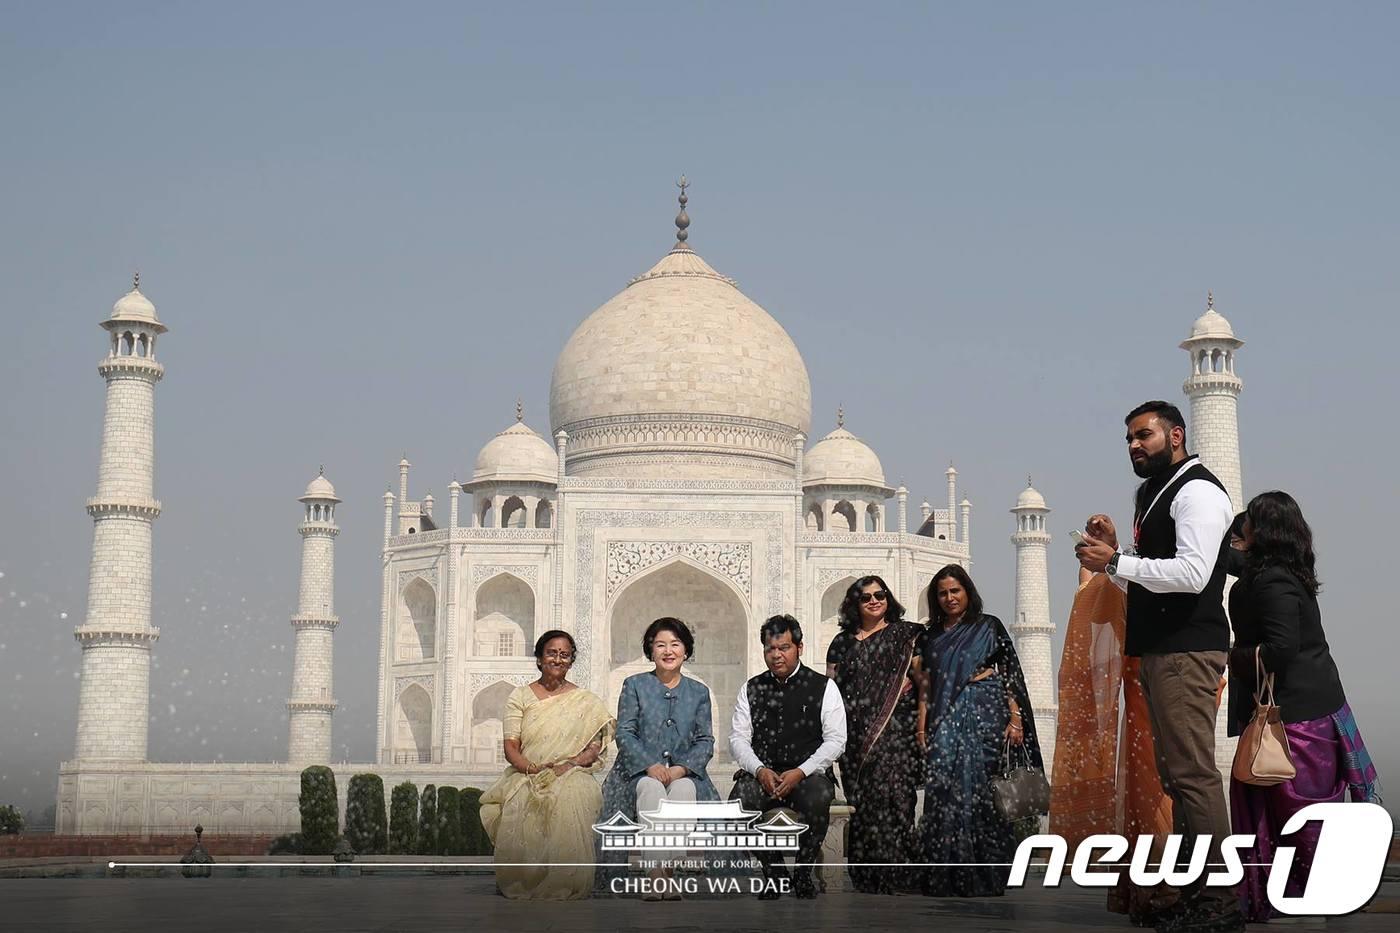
(1095,789)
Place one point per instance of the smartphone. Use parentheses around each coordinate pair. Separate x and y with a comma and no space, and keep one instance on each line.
(1078,537)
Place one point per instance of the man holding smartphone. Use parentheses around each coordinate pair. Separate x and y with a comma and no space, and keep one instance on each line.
(1176,622)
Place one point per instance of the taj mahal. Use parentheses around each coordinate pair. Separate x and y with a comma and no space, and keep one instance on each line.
(679,475)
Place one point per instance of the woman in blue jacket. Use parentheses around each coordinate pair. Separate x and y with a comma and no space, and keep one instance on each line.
(665,738)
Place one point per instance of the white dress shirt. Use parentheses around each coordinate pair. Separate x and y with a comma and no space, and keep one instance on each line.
(833,732)
(1203,514)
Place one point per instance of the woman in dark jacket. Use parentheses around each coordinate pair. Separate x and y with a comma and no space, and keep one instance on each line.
(1274,612)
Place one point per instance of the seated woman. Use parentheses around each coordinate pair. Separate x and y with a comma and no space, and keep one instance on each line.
(1277,623)
(665,739)
(974,703)
(541,811)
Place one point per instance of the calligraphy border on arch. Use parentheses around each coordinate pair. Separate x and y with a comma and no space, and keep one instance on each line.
(589,520)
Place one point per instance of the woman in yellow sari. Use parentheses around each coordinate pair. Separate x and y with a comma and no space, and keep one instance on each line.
(540,814)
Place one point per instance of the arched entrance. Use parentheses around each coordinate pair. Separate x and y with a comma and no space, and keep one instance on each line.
(715,614)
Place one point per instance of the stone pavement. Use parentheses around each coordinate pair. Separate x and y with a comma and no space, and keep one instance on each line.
(405,904)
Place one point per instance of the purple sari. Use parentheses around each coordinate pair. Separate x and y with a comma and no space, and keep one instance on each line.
(1324,751)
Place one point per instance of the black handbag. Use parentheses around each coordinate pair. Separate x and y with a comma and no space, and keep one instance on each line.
(1021,791)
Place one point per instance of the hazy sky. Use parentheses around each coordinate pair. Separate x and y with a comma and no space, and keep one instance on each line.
(371,229)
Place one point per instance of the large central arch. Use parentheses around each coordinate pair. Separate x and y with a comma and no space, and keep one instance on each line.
(715,613)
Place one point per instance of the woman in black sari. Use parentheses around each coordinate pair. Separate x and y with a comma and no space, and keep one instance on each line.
(974,705)
(872,660)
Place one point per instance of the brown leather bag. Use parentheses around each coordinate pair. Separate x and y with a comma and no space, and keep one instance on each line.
(1263,757)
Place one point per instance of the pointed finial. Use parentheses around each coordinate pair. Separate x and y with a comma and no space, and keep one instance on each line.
(1210,300)
(682,219)
(519,411)
(840,416)
(136,281)
(321,470)
(1028,481)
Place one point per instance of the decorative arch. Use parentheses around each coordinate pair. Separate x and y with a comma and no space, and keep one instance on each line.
(815,520)
(417,621)
(544,514)
(844,511)
(715,611)
(413,738)
(505,617)
(829,622)
(486,515)
(514,513)
(488,720)
(872,517)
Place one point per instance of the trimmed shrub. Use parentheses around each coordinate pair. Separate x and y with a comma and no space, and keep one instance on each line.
(320,811)
(403,820)
(427,821)
(289,844)
(474,838)
(11,821)
(449,818)
(366,826)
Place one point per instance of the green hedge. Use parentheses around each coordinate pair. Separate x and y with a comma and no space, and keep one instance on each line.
(449,820)
(320,812)
(403,820)
(366,825)
(11,820)
(474,838)
(427,821)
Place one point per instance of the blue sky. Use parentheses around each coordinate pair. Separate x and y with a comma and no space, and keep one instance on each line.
(371,229)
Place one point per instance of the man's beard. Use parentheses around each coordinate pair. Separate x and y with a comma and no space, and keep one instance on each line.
(1153,464)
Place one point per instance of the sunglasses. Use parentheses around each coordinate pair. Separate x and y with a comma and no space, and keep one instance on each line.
(877,597)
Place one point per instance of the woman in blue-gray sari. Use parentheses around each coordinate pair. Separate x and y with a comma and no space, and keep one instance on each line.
(974,706)
(665,739)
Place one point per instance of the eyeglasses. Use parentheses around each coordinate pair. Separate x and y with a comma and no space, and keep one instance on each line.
(559,655)
(878,596)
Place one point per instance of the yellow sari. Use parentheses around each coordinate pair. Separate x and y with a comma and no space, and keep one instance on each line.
(538,819)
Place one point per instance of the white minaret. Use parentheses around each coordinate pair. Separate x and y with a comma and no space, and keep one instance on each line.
(1214,391)
(310,707)
(1031,626)
(117,634)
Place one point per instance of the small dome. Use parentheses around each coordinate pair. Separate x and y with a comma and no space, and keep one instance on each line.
(842,459)
(319,488)
(1030,499)
(134,306)
(517,453)
(1211,324)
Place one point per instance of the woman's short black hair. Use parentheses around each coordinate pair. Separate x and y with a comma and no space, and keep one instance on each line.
(548,637)
(779,625)
(850,605)
(674,626)
(974,599)
(1237,526)
(1280,537)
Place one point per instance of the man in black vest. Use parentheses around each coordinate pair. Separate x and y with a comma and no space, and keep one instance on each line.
(789,727)
(1175,580)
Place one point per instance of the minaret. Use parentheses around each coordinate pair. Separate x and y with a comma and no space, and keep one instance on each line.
(117,634)
(1031,626)
(1214,390)
(310,707)
(952,474)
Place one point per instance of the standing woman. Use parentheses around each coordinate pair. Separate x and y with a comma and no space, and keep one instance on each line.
(665,739)
(872,661)
(1274,612)
(541,811)
(974,703)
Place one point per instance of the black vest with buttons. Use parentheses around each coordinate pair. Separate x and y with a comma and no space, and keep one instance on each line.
(1163,623)
(786,717)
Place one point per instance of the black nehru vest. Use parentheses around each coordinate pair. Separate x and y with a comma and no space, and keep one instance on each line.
(1163,623)
(786,717)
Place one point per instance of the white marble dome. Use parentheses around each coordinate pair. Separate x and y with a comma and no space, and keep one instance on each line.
(681,375)
(134,306)
(517,453)
(842,459)
(319,488)
(1211,324)
(1030,498)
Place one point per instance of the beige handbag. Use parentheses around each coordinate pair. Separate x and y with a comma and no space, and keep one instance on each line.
(1263,758)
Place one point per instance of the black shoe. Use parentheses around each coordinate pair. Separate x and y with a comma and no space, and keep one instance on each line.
(803,887)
